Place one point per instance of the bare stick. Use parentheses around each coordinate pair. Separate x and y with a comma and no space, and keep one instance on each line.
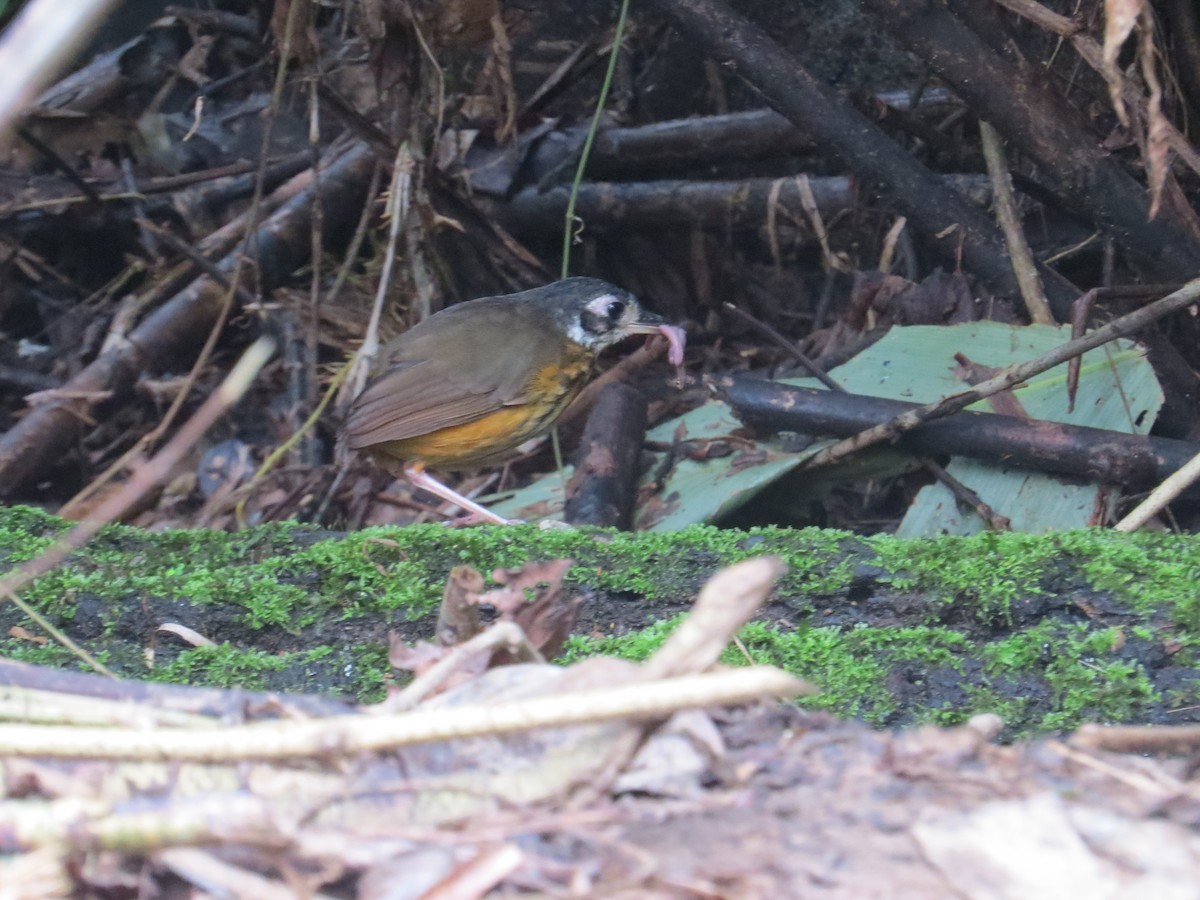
(1028,280)
(1139,738)
(36,44)
(1126,325)
(142,480)
(1174,485)
(354,734)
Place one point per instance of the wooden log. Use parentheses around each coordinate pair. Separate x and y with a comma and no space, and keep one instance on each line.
(1130,460)
(601,491)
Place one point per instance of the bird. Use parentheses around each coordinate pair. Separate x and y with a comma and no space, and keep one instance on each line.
(465,387)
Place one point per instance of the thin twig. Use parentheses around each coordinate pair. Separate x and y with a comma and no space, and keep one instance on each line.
(1126,325)
(1139,738)
(351,735)
(1024,267)
(36,44)
(790,346)
(142,480)
(1174,485)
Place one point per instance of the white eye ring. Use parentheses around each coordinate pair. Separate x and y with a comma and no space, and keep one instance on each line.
(602,305)
(600,321)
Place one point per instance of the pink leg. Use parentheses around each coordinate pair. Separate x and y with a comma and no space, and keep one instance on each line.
(422,479)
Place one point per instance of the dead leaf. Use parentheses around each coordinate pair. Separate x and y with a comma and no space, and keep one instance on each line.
(1120,16)
(23,634)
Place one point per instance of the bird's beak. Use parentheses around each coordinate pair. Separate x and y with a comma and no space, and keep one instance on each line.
(647,323)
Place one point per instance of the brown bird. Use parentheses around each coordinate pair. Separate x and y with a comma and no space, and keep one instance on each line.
(468,385)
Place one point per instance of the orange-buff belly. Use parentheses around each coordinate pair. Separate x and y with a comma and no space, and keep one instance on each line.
(493,438)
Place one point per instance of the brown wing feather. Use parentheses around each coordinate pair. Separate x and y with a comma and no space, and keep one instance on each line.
(432,380)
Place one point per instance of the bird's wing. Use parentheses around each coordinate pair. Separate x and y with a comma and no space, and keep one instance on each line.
(420,391)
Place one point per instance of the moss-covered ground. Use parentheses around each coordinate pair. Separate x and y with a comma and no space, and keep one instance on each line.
(1047,631)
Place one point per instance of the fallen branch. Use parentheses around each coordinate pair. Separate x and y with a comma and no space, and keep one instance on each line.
(279,245)
(354,734)
(1020,104)
(1126,325)
(951,225)
(601,490)
(1134,461)
(743,204)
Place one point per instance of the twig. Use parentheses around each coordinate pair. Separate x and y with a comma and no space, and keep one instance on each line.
(140,482)
(396,213)
(1024,267)
(1186,296)
(790,346)
(36,44)
(1175,484)
(1136,780)
(1139,738)
(354,734)
(993,520)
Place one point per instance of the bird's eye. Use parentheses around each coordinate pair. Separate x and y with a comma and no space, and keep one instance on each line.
(615,310)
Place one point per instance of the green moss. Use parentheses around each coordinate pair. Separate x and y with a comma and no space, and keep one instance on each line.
(224,665)
(984,573)
(1076,664)
(926,646)
(635,646)
(850,682)
(48,654)
(370,672)
(280,582)
(1147,571)
(1070,671)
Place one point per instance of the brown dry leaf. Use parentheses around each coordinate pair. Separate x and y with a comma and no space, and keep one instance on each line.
(1119,18)
(458,23)
(1158,130)
(303,41)
(23,634)
(1004,403)
(458,616)
(547,617)
(502,66)
(417,658)
(674,762)
(472,776)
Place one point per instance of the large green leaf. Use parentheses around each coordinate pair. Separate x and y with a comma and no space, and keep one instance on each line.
(1117,391)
